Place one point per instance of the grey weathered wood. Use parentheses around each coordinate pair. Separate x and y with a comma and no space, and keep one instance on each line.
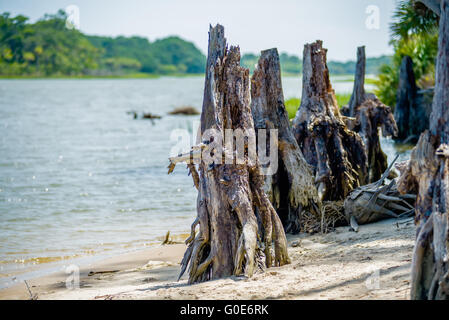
(231,202)
(291,189)
(428,173)
(378,201)
(358,95)
(370,114)
(412,108)
(406,101)
(335,153)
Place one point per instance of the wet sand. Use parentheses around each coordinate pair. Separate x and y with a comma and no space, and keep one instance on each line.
(371,264)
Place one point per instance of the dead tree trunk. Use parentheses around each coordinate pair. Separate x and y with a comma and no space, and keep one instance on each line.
(428,173)
(370,114)
(358,95)
(336,154)
(406,98)
(237,223)
(291,188)
(411,111)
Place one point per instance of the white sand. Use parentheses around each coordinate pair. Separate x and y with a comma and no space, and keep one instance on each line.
(371,264)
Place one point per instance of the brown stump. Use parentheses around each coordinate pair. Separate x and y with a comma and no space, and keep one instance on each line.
(336,153)
(370,114)
(428,173)
(237,223)
(291,188)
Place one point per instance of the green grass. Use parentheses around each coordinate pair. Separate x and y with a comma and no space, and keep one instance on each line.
(292,105)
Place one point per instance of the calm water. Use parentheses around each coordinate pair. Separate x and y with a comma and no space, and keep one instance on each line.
(78,176)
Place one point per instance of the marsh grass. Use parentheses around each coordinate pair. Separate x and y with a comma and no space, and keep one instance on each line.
(292,104)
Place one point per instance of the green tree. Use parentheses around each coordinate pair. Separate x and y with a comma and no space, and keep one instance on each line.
(414,33)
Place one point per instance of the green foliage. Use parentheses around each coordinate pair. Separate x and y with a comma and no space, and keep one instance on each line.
(415,34)
(372,66)
(343,99)
(135,48)
(180,54)
(48,48)
(44,48)
(292,104)
(249,61)
(412,17)
(290,64)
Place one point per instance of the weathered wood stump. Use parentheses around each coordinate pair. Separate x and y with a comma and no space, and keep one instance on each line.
(377,201)
(336,153)
(237,223)
(291,188)
(412,109)
(370,114)
(428,173)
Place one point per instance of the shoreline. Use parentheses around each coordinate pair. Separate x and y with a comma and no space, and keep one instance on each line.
(347,77)
(21,272)
(371,264)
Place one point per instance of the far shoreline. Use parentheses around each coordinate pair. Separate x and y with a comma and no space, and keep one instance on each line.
(138,76)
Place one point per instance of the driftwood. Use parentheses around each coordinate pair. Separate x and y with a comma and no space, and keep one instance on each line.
(187,111)
(428,173)
(291,188)
(150,116)
(370,114)
(412,109)
(145,115)
(336,153)
(237,223)
(377,201)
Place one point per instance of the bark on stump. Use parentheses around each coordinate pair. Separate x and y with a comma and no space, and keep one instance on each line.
(370,114)
(291,188)
(237,223)
(336,154)
(428,173)
(411,111)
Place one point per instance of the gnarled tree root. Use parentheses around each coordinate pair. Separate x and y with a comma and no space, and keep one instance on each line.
(236,222)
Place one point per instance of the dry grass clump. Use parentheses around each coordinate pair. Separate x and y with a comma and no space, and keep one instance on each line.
(332,216)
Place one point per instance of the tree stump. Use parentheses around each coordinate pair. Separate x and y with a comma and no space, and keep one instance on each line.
(336,153)
(370,114)
(377,201)
(237,223)
(291,188)
(411,111)
(428,173)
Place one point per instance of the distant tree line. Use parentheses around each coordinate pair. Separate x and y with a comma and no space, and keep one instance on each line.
(292,64)
(49,48)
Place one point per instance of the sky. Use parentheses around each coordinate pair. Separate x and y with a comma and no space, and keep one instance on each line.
(254,25)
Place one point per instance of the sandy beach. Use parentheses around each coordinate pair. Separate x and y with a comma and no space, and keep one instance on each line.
(371,264)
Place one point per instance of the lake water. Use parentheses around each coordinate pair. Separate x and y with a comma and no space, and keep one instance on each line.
(79,177)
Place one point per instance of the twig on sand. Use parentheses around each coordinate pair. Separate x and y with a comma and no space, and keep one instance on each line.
(32,296)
